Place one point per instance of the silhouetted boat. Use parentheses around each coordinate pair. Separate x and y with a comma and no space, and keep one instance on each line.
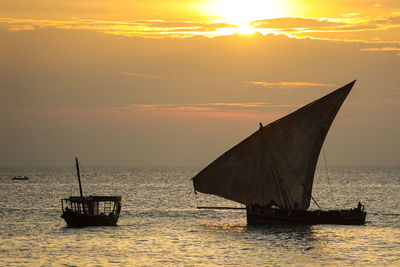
(92,210)
(19,178)
(272,171)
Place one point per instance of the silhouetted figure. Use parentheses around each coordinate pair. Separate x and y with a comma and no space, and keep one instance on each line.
(359,206)
(261,126)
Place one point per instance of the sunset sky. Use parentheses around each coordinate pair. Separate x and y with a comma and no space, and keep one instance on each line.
(177,83)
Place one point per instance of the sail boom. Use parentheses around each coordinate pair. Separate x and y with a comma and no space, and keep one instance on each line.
(222,208)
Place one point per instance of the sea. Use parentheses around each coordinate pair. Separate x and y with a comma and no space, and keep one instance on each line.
(161,226)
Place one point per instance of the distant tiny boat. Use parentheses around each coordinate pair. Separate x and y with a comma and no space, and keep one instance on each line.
(19,178)
(80,211)
(272,171)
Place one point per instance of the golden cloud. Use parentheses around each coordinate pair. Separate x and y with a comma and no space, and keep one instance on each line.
(352,27)
(141,75)
(381,49)
(296,23)
(210,107)
(287,84)
(349,28)
(143,28)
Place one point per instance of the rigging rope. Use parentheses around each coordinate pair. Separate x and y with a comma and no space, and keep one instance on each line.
(195,197)
(316,203)
(329,180)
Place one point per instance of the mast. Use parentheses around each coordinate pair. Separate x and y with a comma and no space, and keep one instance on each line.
(79,176)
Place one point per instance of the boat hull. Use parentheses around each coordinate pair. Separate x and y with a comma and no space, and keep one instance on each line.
(20,178)
(74,219)
(262,215)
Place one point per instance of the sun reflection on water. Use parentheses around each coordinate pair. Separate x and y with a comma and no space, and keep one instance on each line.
(225,227)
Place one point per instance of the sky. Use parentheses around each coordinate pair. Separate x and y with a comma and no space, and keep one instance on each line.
(177,83)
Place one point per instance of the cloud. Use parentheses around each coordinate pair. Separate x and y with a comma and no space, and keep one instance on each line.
(395,92)
(143,28)
(141,75)
(21,28)
(287,84)
(381,49)
(210,107)
(351,27)
(296,23)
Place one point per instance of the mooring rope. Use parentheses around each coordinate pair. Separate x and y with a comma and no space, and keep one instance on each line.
(59,221)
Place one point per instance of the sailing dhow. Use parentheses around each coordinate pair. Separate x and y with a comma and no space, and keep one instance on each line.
(272,171)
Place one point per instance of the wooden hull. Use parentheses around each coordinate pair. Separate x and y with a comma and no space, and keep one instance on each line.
(74,219)
(261,215)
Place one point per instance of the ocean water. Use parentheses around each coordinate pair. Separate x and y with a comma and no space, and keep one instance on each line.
(160,225)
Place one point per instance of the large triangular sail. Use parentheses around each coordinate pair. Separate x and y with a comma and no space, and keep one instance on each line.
(276,164)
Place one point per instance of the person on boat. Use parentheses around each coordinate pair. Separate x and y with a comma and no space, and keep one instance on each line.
(360,207)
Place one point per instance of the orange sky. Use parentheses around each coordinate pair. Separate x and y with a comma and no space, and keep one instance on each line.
(372,21)
(176,83)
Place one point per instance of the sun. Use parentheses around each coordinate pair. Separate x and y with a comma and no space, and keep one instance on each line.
(242,11)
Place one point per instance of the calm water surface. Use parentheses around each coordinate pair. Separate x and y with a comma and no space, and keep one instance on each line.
(159,224)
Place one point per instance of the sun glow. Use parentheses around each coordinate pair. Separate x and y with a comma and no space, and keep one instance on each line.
(241,11)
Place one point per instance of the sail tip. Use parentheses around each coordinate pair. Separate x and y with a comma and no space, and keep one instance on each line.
(349,86)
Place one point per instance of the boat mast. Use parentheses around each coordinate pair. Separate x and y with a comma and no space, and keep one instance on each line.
(79,176)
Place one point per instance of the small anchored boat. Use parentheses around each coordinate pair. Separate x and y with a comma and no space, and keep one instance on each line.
(81,211)
(20,178)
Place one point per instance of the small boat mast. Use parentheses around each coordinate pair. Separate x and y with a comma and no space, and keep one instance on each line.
(79,176)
